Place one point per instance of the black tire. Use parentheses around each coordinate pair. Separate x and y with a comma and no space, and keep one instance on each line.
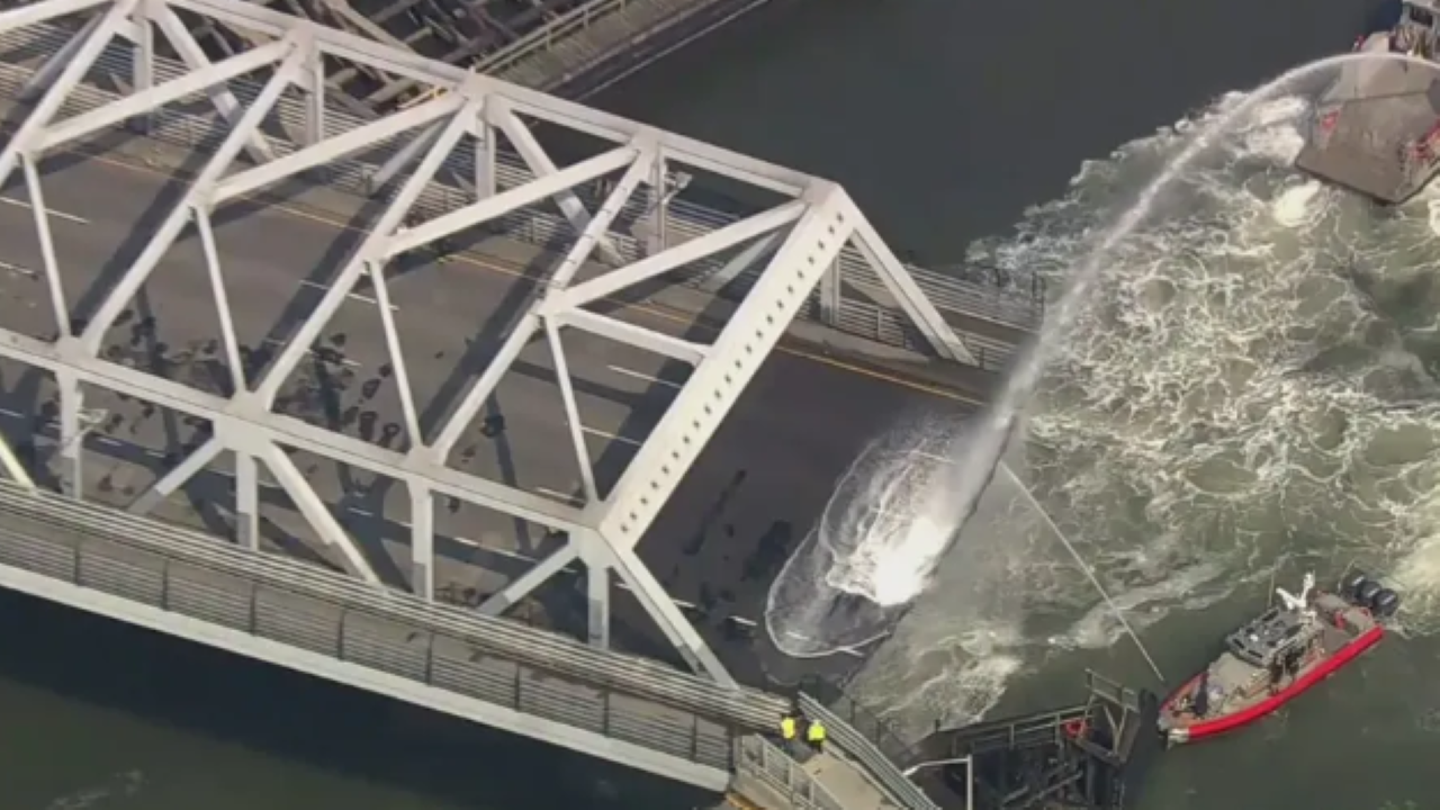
(1351,585)
(1385,603)
(1366,595)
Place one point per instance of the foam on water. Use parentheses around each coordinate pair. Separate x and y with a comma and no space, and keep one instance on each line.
(1255,376)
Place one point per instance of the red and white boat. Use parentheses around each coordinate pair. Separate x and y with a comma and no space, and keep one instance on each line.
(1277,656)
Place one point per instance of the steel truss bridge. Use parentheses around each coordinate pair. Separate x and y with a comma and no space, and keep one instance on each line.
(260,130)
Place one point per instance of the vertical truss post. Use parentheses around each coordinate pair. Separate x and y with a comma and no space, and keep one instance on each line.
(830,294)
(75,70)
(196,197)
(142,61)
(58,303)
(484,159)
(12,465)
(177,476)
(315,98)
(247,501)
(43,78)
(72,435)
(521,586)
(372,249)
(597,588)
(422,542)
(659,206)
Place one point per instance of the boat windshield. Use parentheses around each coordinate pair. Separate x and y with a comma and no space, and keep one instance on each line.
(1260,642)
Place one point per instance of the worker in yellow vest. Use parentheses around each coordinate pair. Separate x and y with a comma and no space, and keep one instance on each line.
(815,736)
(790,727)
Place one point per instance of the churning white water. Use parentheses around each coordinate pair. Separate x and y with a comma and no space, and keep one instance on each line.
(1243,368)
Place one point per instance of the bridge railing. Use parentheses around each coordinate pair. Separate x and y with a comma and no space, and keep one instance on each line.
(544,38)
(778,773)
(544,675)
(1011,299)
(881,766)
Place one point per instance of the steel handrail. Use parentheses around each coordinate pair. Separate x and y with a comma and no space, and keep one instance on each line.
(535,648)
(544,38)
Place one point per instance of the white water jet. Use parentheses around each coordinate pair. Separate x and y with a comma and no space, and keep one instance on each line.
(875,569)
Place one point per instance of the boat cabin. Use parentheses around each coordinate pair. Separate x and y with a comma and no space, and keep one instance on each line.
(1268,638)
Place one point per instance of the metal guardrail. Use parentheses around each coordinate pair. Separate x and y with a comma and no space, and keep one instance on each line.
(192,574)
(757,759)
(1020,307)
(858,717)
(881,767)
(544,38)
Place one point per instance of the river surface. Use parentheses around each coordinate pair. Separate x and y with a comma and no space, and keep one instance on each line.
(990,130)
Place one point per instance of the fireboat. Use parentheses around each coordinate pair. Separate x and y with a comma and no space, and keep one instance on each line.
(1278,656)
(1376,128)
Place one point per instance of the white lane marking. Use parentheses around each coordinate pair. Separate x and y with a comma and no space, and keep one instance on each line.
(646,377)
(604,435)
(19,270)
(11,414)
(550,493)
(51,211)
(344,361)
(315,285)
(355,510)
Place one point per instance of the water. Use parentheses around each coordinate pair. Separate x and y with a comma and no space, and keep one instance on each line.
(968,152)
(1254,381)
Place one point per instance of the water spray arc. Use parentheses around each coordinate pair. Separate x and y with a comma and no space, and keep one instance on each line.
(932,529)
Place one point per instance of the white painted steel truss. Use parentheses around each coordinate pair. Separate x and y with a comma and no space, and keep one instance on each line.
(809,231)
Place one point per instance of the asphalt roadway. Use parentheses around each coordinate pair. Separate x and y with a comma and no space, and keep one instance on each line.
(756,489)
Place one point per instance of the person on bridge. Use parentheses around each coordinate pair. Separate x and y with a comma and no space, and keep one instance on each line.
(790,727)
(815,736)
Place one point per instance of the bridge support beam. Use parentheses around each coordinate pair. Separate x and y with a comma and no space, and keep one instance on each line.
(586,293)
(13,466)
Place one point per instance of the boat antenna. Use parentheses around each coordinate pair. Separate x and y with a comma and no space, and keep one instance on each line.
(1089,574)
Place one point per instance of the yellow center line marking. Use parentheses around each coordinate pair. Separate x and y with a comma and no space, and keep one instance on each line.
(495,266)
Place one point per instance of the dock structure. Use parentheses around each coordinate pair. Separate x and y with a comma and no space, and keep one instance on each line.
(571,48)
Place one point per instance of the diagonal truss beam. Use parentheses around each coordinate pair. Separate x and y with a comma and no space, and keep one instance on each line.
(553,185)
(371,250)
(34,13)
(247,428)
(194,56)
(736,233)
(719,379)
(805,237)
(39,118)
(902,286)
(117,112)
(297,48)
(333,149)
(540,163)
